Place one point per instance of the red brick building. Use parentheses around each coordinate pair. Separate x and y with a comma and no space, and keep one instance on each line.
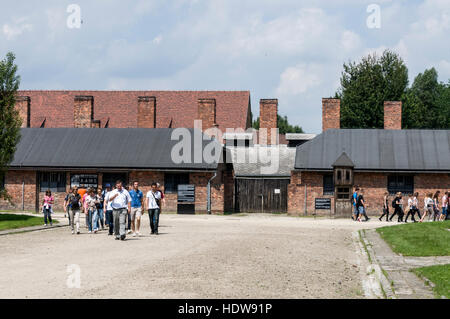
(377,160)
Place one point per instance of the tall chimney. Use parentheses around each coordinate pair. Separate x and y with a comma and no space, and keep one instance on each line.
(23,106)
(146,117)
(268,112)
(207,113)
(83,111)
(331,114)
(392,115)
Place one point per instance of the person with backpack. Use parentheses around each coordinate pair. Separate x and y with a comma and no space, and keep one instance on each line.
(428,206)
(73,207)
(360,204)
(47,204)
(385,206)
(354,201)
(153,207)
(444,207)
(413,205)
(67,204)
(397,204)
(99,206)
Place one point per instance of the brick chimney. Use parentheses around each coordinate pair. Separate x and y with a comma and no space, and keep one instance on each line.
(207,113)
(331,114)
(23,106)
(83,111)
(268,111)
(146,117)
(392,115)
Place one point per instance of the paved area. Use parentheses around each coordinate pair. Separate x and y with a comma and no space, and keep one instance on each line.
(399,281)
(202,256)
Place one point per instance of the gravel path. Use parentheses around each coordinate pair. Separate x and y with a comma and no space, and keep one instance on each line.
(256,256)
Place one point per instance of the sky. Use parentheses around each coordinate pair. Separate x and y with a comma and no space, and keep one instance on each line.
(287,49)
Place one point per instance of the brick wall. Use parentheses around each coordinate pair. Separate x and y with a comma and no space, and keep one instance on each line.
(268,120)
(23,106)
(374,185)
(146,117)
(83,111)
(392,115)
(331,114)
(13,184)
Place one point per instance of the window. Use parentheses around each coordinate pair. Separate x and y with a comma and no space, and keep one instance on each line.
(400,183)
(112,178)
(328,184)
(171,181)
(53,181)
(2,181)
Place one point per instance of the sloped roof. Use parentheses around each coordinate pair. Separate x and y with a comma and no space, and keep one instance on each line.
(263,161)
(343,161)
(378,150)
(120,107)
(132,148)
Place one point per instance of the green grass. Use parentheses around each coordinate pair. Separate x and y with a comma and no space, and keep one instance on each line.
(419,239)
(14,221)
(439,275)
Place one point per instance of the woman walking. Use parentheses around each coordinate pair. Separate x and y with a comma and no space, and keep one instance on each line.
(397,204)
(413,205)
(100,199)
(47,205)
(444,206)
(428,206)
(91,202)
(385,207)
(436,210)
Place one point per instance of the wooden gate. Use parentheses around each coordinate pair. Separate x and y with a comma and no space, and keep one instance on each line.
(261,195)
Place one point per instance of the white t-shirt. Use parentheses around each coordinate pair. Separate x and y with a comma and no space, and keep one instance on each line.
(410,202)
(108,203)
(151,199)
(122,200)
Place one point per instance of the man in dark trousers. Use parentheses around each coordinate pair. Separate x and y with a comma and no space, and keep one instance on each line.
(153,206)
(361,206)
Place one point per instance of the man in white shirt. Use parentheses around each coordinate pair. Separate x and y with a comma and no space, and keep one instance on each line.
(121,204)
(153,206)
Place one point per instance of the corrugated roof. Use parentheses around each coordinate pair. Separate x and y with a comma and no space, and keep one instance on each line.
(263,161)
(374,149)
(130,148)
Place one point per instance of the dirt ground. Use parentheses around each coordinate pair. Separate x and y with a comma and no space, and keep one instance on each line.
(201,256)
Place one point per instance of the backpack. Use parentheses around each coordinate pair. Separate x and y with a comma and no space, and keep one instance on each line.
(394,203)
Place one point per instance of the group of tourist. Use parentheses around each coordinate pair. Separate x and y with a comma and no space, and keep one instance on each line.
(434,206)
(116,208)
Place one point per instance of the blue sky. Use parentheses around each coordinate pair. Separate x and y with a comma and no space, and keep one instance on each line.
(291,50)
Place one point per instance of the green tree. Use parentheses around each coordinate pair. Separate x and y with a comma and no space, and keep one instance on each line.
(10,121)
(283,125)
(366,85)
(426,104)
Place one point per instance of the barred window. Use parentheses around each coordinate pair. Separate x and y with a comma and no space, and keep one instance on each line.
(400,183)
(171,181)
(328,184)
(53,181)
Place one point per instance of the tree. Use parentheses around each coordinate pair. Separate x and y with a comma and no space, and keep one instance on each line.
(366,85)
(426,104)
(10,121)
(283,125)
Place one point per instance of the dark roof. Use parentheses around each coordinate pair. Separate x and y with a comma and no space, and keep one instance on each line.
(132,148)
(378,150)
(119,108)
(343,161)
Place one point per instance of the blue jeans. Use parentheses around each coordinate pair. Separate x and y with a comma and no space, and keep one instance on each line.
(153,214)
(100,218)
(93,219)
(47,215)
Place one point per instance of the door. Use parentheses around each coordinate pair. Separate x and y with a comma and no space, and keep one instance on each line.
(342,200)
(261,195)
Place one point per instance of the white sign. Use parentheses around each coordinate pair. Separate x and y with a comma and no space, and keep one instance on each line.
(277,191)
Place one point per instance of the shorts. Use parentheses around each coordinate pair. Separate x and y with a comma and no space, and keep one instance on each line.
(136,212)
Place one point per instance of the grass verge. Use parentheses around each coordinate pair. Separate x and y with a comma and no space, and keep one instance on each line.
(419,239)
(14,221)
(439,275)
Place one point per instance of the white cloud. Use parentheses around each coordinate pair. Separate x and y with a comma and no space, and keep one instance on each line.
(15,29)
(300,78)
